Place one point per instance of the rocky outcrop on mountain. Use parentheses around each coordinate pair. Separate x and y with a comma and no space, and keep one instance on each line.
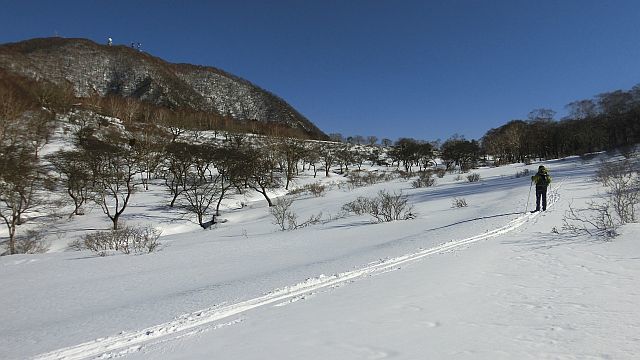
(104,70)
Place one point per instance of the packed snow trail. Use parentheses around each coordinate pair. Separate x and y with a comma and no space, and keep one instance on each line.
(196,319)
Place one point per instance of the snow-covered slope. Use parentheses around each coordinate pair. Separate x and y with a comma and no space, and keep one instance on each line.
(486,281)
(104,70)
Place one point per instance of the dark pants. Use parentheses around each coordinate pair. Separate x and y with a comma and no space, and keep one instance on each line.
(541,193)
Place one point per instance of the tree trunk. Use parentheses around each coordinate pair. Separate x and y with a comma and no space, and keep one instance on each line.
(219,202)
(114,219)
(173,201)
(12,239)
(268,200)
(263,191)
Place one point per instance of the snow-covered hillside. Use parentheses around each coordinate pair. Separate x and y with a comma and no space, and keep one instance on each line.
(93,68)
(486,281)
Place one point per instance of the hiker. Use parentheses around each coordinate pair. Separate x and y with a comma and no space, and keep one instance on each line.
(542,180)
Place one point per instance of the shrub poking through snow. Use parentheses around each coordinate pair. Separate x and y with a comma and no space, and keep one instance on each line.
(623,187)
(619,207)
(473,177)
(385,207)
(596,220)
(359,206)
(282,215)
(425,179)
(405,175)
(586,158)
(316,189)
(126,240)
(440,172)
(364,178)
(523,173)
(297,191)
(286,219)
(458,203)
(77,245)
(32,242)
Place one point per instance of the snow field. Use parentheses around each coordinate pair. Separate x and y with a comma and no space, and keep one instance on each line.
(208,292)
(188,322)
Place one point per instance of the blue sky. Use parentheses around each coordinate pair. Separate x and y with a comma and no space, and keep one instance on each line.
(422,69)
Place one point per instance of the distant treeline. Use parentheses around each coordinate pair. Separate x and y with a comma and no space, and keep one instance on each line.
(608,121)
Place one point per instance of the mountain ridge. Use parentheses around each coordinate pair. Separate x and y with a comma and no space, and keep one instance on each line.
(92,68)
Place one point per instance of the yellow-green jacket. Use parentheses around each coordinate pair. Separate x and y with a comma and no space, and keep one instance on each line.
(542,178)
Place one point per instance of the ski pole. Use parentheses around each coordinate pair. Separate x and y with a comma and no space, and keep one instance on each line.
(528,197)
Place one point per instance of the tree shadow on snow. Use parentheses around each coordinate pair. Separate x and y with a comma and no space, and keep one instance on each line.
(541,241)
(474,219)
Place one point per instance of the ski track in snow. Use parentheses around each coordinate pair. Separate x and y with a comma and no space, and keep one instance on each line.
(185,325)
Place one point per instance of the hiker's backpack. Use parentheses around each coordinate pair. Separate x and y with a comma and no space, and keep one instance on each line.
(543,179)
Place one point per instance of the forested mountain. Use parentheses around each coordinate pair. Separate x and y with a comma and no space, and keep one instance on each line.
(90,69)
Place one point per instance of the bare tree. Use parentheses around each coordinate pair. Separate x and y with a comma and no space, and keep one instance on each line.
(291,151)
(407,150)
(582,109)
(230,165)
(149,143)
(169,120)
(178,160)
(115,166)
(541,114)
(374,157)
(55,98)
(75,176)
(457,151)
(20,182)
(344,157)
(12,106)
(359,156)
(312,156)
(126,109)
(24,128)
(258,173)
(426,155)
(38,127)
(327,157)
(201,188)
(236,140)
